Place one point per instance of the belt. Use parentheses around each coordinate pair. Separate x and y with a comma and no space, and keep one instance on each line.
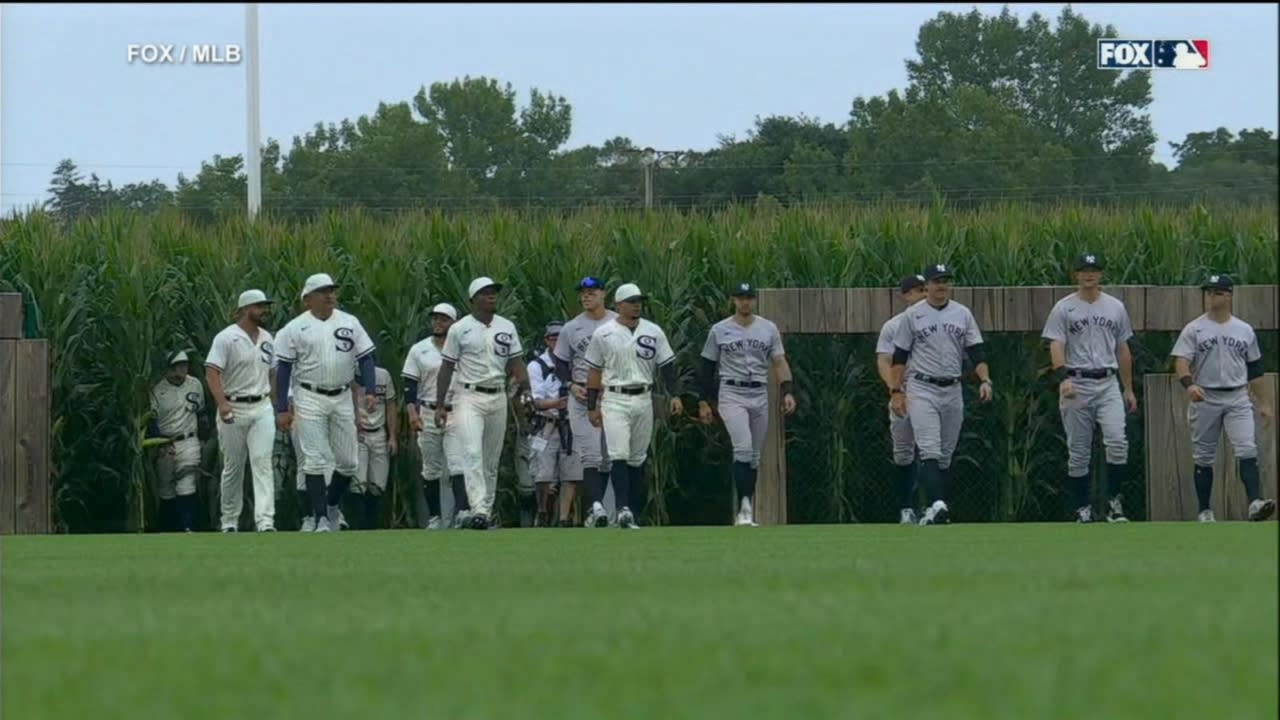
(1224,389)
(477,388)
(447,407)
(180,438)
(246,398)
(629,389)
(322,391)
(1098,374)
(743,384)
(939,381)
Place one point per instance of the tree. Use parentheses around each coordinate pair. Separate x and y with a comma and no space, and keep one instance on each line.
(73,197)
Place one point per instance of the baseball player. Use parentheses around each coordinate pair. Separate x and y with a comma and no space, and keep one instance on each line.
(552,458)
(485,348)
(421,371)
(590,443)
(325,345)
(739,351)
(376,444)
(308,520)
(1088,333)
(177,414)
(1216,357)
(911,290)
(935,334)
(238,372)
(622,356)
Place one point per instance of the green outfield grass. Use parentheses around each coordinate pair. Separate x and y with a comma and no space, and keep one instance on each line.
(981,621)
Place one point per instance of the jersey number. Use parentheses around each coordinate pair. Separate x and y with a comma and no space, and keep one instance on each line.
(343,336)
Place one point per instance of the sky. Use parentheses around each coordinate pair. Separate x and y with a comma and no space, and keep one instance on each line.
(668,76)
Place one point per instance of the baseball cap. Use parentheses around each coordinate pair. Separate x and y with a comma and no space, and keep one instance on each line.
(1086,261)
(909,283)
(743,290)
(252,297)
(590,283)
(481,283)
(627,293)
(553,329)
(936,271)
(446,310)
(1218,282)
(180,357)
(319,281)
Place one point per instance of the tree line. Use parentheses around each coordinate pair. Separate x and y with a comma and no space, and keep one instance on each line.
(995,109)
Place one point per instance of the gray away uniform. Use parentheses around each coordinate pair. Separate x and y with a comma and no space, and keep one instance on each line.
(744,355)
(1218,354)
(1091,333)
(904,442)
(589,442)
(936,340)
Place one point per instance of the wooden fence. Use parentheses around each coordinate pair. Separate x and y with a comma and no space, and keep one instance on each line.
(845,311)
(25,497)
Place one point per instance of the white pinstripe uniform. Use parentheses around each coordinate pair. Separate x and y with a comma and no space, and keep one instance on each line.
(438,446)
(628,360)
(245,365)
(374,456)
(175,408)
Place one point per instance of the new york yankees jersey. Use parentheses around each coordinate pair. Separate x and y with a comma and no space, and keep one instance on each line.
(625,357)
(481,352)
(423,365)
(1089,332)
(325,352)
(1218,352)
(575,335)
(245,364)
(884,344)
(937,337)
(385,391)
(176,406)
(743,352)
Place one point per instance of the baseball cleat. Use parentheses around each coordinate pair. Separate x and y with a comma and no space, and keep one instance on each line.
(745,516)
(462,519)
(598,517)
(1206,516)
(1115,511)
(309,524)
(228,529)
(1084,514)
(936,514)
(266,528)
(626,520)
(479,522)
(1261,509)
(907,517)
(433,523)
(322,525)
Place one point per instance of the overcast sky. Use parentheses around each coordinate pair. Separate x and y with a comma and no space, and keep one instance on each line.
(668,76)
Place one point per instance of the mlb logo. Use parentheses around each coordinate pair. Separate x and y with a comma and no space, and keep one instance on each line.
(1153,54)
(1182,54)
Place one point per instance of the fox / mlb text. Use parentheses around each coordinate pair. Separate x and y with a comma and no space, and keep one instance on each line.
(181,54)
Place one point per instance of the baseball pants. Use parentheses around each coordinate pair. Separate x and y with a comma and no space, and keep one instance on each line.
(176,469)
(1229,409)
(1096,401)
(936,414)
(327,429)
(745,412)
(436,446)
(547,463)
(373,464)
(250,437)
(297,461)
(481,427)
(904,440)
(628,423)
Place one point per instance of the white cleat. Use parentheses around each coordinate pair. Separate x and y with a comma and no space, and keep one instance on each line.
(598,517)
(1115,511)
(461,519)
(434,523)
(323,525)
(1084,515)
(309,524)
(936,514)
(907,516)
(746,518)
(336,519)
(1261,509)
(626,520)
(1206,516)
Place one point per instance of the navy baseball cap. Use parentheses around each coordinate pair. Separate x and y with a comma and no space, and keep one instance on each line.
(909,283)
(1218,282)
(1089,261)
(743,290)
(590,283)
(937,271)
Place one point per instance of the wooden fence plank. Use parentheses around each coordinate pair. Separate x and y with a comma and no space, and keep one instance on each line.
(963,295)
(767,303)
(884,304)
(787,313)
(1164,309)
(8,435)
(1134,298)
(1018,310)
(771,482)
(10,316)
(862,306)
(988,307)
(1256,305)
(826,314)
(33,495)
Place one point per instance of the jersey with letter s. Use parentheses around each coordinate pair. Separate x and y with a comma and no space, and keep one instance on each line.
(627,357)
(481,352)
(324,353)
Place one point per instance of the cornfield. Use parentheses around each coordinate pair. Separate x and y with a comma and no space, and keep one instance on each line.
(116,293)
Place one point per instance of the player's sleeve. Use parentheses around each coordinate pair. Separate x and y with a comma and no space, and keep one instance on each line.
(217,357)
(595,352)
(710,348)
(1185,347)
(776,349)
(972,334)
(564,349)
(411,370)
(364,343)
(452,344)
(1254,353)
(884,344)
(664,354)
(517,348)
(284,351)
(903,338)
(1055,326)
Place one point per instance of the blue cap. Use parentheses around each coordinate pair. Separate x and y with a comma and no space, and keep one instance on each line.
(590,283)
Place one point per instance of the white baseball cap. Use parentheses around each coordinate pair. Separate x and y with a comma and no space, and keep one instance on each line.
(629,291)
(445,309)
(181,357)
(317,281)
(481,283)
(252,297)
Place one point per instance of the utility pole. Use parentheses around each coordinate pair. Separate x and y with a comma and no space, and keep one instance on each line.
(253,158)
(649,159)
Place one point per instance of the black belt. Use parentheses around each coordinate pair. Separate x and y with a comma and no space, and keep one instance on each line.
(246,398)
(180,438)
(939,381)
(1098,374)
(447,407)
(743,384)
(629,389)
(330,393)
(1227,389)
(477,388)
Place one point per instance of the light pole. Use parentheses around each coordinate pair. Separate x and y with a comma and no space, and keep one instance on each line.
(253,158)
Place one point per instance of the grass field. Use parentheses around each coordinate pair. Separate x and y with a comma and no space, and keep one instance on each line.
(1143,620)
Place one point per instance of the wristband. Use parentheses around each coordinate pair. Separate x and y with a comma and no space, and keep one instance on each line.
(1186,381)
(788,387)
(593,397)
